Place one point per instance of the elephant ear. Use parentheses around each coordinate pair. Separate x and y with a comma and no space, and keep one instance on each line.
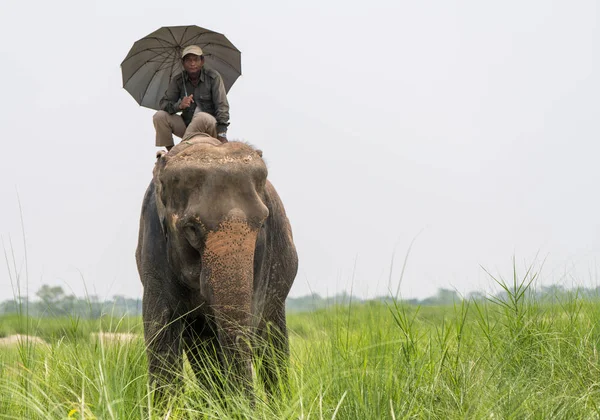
(159,190)
(160,207)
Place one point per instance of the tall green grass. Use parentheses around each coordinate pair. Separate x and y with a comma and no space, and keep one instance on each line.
(515,357)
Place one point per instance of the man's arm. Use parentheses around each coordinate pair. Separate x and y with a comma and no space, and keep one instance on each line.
(221,105)
(171,100)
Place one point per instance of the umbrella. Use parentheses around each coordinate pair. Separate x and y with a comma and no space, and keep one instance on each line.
(155,59)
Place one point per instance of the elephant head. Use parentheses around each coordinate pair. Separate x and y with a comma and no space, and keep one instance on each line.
(210,201)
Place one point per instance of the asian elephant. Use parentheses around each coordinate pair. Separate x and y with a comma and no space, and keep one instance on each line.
(216,259)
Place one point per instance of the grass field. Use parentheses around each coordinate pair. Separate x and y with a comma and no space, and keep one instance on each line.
(516,358)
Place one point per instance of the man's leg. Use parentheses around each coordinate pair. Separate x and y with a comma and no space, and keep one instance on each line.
(166,125)
(201,123)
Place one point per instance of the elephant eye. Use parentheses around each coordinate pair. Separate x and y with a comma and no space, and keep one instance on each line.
(194,235)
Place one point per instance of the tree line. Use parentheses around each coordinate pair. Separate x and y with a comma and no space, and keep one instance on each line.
(52,301)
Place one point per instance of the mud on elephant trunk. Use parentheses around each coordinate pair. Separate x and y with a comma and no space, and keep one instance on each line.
(228,273)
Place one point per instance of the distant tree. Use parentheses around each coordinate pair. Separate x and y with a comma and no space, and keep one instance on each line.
(67,304)
(477,296)
(50,295)
(55,301)
(9,306)
(446,296)
(554,291)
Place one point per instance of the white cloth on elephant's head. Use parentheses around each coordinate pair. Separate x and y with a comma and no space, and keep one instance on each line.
(202,124)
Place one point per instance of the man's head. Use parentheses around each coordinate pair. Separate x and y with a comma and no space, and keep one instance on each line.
(193,59)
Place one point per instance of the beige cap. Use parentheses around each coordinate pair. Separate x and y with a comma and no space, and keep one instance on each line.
(191,49)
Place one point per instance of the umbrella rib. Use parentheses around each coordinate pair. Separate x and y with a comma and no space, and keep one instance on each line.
(146,62)
(195,38)
(214,57)
(183,35)
(171,73)
(172,35)
(166,47)
(148,85)
(130,77)
(155,38)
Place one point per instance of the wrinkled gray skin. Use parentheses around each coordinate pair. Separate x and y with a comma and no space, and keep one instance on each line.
(217,260)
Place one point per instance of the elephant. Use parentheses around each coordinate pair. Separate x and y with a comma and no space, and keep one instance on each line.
(216,259)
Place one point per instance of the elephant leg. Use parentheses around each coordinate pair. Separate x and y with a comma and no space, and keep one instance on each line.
(203,349)
(163,347)
(276,353)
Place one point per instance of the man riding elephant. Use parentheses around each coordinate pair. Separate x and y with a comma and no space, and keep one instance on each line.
(196,89)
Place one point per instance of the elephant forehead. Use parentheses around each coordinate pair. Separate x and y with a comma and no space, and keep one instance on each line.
(208,160)
(206,155)
(194,174)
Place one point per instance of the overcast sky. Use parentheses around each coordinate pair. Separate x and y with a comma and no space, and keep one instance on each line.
(472,126)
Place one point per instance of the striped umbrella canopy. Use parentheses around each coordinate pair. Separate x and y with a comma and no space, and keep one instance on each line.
(155,59)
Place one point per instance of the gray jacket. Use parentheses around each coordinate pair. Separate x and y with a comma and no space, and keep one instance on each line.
(209,95)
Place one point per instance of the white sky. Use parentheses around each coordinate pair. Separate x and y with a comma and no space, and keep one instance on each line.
(472,124)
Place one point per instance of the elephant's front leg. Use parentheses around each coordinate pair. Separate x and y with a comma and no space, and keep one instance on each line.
(276,352)
(162,332)
(203,351)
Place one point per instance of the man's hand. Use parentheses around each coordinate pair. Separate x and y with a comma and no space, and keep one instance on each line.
(186,102)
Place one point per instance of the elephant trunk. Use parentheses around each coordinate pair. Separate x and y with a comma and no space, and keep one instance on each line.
(228,268)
